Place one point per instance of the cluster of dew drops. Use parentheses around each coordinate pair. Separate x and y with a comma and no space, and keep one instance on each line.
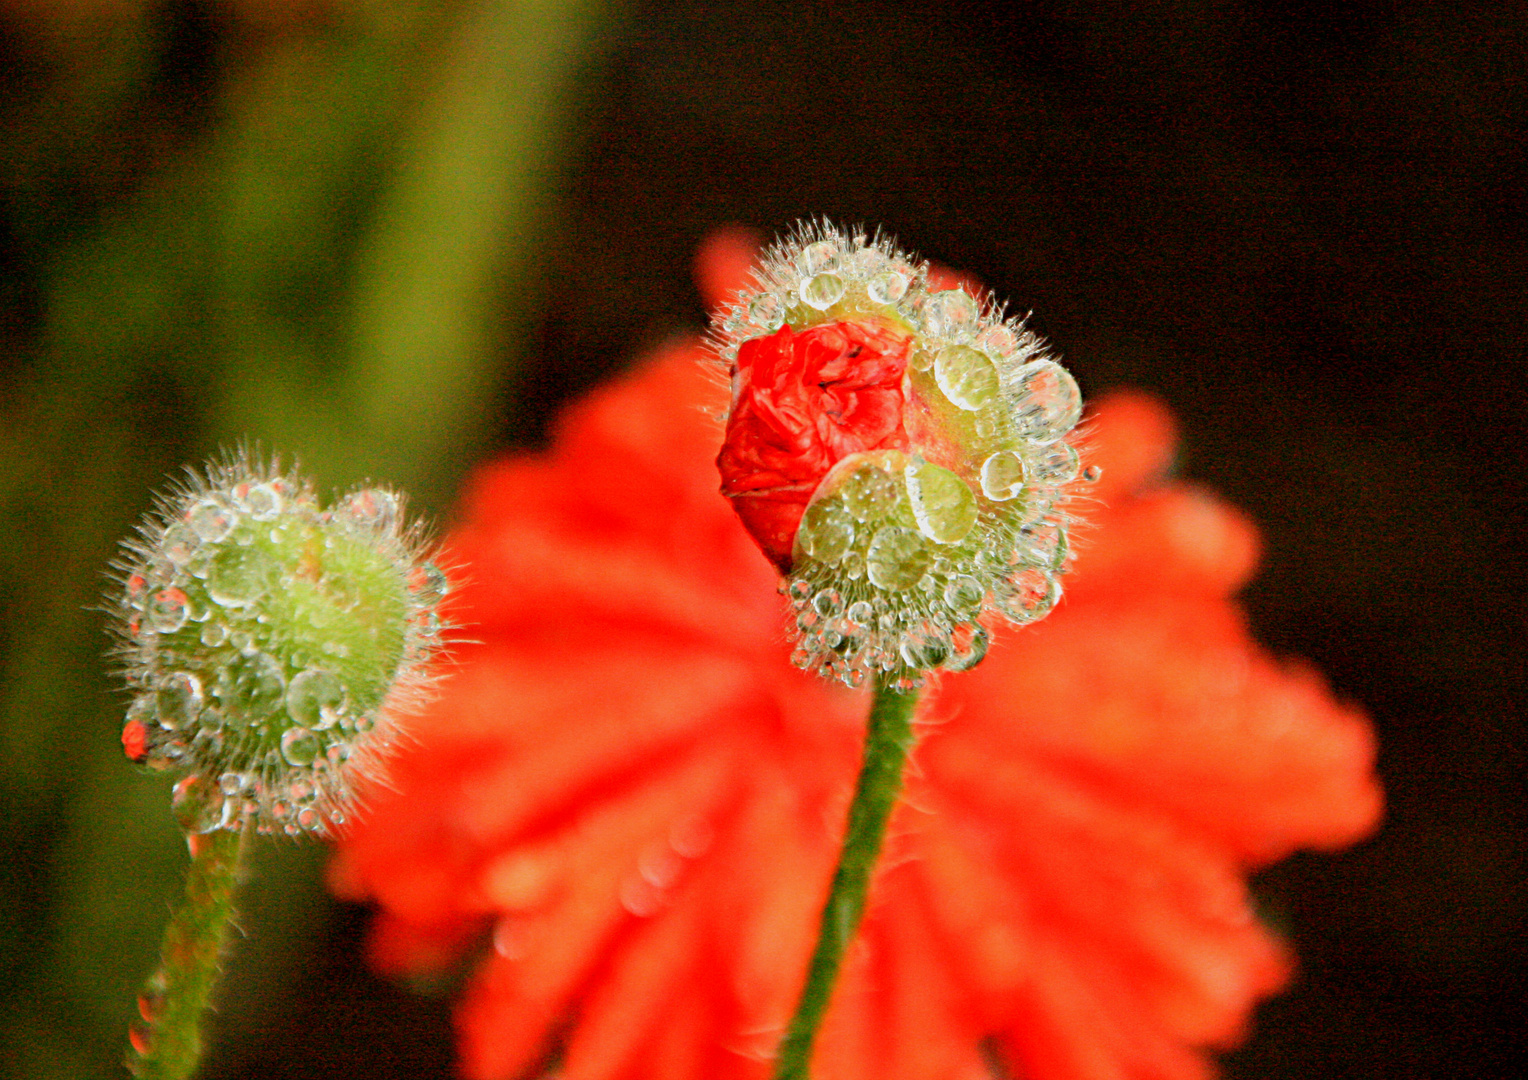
(265,721)
(901,566)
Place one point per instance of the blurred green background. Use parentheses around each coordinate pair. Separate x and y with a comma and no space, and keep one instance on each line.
(390,236)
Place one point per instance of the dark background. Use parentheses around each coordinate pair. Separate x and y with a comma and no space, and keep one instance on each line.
(1303,225)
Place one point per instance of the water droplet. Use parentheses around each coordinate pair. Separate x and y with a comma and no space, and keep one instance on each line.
(887,287)
(921,360)
(178,699)
(251,687)
(826,530)
(1027,595)
(871,493)
(801,659)
(1057,465)
(308,818)
(263,502)
(315,698)
(238,576)
(828,602)
(865,261)
(168,610)
(179,544)
(199,807)
(969,646)
(767,311)
(853,566)
(861,612)
(822,291)
(1049,401)
(963,595)
(211,522)
(429,583)
(806,620)
(897,558)
(819,258)
(300,746)
(924,648)
(967,377)
(214,634)
(1092,474)
(800,589)
(856,675)
(950,314)
(997,341)
(373,508)
(943,506)
(1002,476)
(1043,544)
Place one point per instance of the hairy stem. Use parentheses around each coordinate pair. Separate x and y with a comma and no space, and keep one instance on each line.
(167,1045)
(887,742)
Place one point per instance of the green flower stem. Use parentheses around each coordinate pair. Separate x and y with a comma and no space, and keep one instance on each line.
(168,1044)
(887,742)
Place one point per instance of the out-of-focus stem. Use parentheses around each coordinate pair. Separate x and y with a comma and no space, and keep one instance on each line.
(167,1044)
(887,741)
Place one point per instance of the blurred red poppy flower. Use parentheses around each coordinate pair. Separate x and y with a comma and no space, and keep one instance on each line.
(627,790)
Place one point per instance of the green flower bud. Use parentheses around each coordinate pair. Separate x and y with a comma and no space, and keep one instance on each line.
(271,644)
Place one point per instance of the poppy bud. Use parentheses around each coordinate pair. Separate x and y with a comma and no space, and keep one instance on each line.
(268,643)
(899,452)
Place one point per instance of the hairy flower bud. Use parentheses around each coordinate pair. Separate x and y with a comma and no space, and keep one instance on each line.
(269,643)
(899,452)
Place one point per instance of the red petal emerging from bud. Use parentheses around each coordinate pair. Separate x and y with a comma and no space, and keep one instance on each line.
(801,403)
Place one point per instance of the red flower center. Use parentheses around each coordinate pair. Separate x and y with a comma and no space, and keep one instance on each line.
(802,403)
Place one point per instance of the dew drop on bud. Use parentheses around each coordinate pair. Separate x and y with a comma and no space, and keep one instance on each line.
(238,576)
(967,377)
(1057,465)
(1027,595)
(300,746)
(951,314)
(1049,402)
(178,544)
(373,508)
(998,341)
(871,493)
(1002,476)
(167,610)
(178,699)
(252,686)
(897,558)
(211,522)
(942,504)
(963,595)
(819,258)
(822,291)
(969,647)
(886,287)
(263,502)
(826,530)
(767,311)
(315,699)
(828,602)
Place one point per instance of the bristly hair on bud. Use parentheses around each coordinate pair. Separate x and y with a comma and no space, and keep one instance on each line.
(271,644)
(898,451)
